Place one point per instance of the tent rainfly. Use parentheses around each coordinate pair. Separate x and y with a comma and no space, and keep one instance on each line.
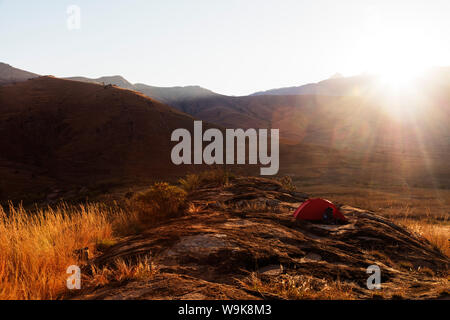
(319,210)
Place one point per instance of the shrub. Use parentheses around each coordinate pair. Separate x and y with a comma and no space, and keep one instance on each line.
(287,183)
(161,201)
(215,177)
(191,182)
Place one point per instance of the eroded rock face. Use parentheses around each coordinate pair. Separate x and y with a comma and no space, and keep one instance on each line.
(220,245)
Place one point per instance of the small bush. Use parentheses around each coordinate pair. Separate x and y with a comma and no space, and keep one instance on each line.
(215,177)
(161,201)
(191,182)
(287,183)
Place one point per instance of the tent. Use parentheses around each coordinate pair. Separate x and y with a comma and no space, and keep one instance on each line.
(319,210)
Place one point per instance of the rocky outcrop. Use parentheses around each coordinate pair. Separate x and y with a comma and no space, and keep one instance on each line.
(247,227)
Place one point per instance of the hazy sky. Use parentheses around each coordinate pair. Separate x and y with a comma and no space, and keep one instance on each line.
(230,46)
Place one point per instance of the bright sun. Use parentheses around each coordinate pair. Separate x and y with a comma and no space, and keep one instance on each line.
(398,54)
(399,79)
(397,50)
(397,66)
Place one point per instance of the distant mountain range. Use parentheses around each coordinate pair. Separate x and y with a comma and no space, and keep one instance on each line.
(335,86)
(359,85)
(331,102)
(81,131)
(163,94)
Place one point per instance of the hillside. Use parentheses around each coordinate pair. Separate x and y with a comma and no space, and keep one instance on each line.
(62,135)
(9,74)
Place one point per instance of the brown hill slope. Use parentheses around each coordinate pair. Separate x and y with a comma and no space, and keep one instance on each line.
(243,243)
(9,74)
(68,133)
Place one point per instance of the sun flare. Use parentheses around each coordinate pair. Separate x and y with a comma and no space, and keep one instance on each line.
(398,79)
(399,52)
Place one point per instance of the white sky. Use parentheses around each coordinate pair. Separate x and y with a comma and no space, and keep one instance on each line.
(233,47)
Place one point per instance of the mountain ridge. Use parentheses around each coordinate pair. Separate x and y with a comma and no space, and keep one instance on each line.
(163,94)
(10,74)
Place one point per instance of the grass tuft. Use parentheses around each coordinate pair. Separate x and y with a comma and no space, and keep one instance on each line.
(37,248)
(300,287)
(217,177)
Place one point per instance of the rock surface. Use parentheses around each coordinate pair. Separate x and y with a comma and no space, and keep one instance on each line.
(207,254)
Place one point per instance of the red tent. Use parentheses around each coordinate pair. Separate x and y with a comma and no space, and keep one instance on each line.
(315,209)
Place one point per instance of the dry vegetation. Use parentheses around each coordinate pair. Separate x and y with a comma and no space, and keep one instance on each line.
(159,202)
(194,181)
(122,270)
(438,235)
(37,247)
(300,288)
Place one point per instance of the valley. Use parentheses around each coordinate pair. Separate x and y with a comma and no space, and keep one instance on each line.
(93,149)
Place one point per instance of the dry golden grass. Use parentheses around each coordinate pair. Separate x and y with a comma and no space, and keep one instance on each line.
(300,288)
(121,270)
(37,248)
(254,206)
(438,235)
(193,181)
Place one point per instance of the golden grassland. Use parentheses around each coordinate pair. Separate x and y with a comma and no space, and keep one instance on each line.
(37,246)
